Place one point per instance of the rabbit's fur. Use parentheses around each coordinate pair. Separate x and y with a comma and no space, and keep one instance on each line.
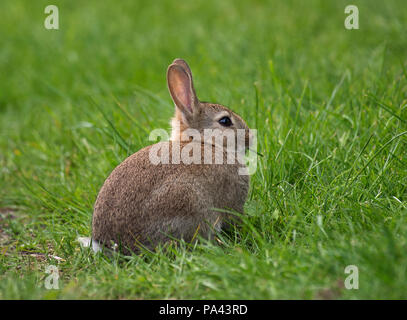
(145,204)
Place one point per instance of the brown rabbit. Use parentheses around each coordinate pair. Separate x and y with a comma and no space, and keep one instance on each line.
(142,204)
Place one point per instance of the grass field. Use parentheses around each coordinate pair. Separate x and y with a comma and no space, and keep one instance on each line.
(329,104)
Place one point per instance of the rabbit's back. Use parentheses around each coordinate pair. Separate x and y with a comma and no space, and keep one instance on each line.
(145,203)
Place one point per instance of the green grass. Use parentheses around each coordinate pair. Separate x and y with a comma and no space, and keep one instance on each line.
(329,104)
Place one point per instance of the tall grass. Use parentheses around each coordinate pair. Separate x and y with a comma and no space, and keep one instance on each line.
(329,105)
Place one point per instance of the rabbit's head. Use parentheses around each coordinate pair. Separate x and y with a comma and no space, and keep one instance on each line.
(190,113)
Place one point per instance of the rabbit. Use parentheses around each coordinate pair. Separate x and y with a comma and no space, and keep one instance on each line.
(143,205)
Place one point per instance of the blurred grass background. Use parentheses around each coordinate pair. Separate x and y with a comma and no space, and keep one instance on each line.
(329,105)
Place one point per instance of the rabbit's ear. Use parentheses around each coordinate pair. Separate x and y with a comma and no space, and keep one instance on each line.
(180,85)
(184,64)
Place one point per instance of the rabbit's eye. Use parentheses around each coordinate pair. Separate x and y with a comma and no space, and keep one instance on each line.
(225,121)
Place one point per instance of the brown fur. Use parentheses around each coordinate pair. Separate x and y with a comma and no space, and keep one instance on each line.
(145,204)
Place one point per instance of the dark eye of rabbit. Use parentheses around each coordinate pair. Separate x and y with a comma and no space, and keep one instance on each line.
(225,121)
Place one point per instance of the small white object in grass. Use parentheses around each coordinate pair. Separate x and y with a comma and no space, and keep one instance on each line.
(319,221)
(320,225)
(87,241)
(58,258)
(397,200)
